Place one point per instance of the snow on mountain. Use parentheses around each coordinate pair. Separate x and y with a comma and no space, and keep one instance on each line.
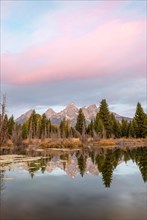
(70,113)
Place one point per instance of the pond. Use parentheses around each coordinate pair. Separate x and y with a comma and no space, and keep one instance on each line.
(90,184)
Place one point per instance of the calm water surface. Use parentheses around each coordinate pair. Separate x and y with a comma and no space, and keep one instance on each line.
(91,185)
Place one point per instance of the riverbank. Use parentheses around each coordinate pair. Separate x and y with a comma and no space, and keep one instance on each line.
(131,142)
(75,143)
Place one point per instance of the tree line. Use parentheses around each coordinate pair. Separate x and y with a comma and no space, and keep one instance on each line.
(104,125)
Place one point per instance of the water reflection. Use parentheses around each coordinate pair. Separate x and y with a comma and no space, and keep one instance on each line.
(85,162)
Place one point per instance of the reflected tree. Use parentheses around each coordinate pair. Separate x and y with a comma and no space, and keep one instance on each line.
(33,166)
(82,164)
(105,159)
(92,156)
(99,160)
(141,161)
(107,169)
(2,183)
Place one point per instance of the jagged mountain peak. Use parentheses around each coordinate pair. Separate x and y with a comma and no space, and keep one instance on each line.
(50,112)
(90,112)
(70,113)
(90,106)
(24,117)
(29,112)
(71,106)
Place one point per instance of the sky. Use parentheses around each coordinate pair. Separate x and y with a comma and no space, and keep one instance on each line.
(57,52)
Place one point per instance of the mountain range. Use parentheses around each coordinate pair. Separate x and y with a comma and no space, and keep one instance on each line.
(70,113)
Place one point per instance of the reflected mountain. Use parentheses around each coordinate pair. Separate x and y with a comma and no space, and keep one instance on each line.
(84,162)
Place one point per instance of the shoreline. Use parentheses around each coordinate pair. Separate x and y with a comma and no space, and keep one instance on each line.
(74,144)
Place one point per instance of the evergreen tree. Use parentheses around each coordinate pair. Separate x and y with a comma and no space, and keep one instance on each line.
(34,125)
(107,169)
(81,122)
(82,164)
(117,156)
(43,128)
(11,124)
(31,125)
(145,127)
(116,128)
(124,128)
(63,128)
(33,167)
(132,126)
(99,160)
(48,127)
(139,119)
(141,161)
(105,117)
(90,129)
(126,155)
(98,125)
(25,131)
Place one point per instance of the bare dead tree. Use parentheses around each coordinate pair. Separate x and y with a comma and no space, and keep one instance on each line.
(3,124)
(17,136)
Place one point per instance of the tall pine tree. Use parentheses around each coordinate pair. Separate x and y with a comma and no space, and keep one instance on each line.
(145,126)
(139,119)
(105,117)
(11,124)
(81,122)
(116,128)
(124,128)
(98,125)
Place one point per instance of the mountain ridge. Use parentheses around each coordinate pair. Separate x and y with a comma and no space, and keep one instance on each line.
(70,112)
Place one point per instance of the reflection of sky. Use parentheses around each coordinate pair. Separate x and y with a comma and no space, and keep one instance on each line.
(56,196)
(58,172)
(126,168)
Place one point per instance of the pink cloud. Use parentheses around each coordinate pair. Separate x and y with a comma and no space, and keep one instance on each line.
(114,47)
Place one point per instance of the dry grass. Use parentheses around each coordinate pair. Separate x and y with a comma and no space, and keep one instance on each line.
(75,143)
(9,144)
(34,141)
(138,140)
(62,143)
(105,142)
(132,142)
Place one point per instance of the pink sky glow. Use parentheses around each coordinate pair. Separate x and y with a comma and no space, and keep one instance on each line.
(57,52)
(107,50)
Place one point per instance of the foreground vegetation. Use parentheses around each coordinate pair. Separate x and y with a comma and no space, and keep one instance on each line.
(103,130)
